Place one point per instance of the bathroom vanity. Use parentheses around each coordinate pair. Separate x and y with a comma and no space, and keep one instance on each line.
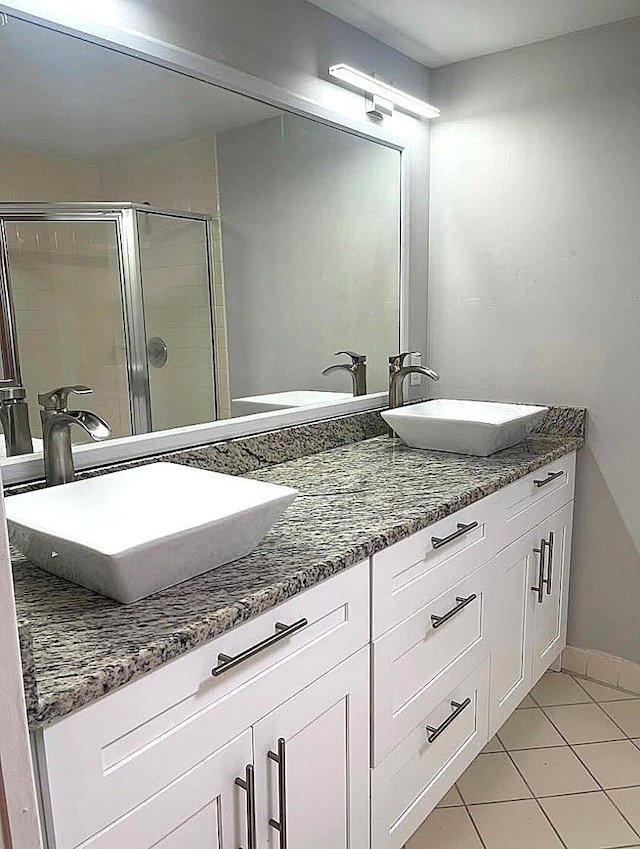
(358,662)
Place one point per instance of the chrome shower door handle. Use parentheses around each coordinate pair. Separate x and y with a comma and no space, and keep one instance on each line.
(280,825)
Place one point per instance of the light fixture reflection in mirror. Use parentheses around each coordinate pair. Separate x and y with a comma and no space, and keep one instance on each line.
(252,242)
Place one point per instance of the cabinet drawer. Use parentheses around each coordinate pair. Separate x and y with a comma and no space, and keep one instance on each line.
(411,573)
(527,502)
(410,782)
(417,662)
(105,759)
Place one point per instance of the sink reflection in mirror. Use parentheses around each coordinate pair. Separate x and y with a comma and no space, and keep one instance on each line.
(199,256)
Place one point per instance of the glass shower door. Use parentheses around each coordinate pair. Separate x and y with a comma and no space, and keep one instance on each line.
(65,300)
(175,267)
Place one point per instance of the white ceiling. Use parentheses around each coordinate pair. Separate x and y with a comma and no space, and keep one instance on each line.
(438,32)
(63,96)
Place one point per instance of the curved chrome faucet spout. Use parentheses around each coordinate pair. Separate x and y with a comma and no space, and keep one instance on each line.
(56,432)
(397,379)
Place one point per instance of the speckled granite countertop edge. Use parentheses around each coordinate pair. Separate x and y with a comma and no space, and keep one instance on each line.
(44,708)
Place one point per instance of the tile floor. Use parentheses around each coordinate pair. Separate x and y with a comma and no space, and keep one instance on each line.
(562,773)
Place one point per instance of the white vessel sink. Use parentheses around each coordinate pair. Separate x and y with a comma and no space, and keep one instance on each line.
(133,533)
(285,400)
(464,427)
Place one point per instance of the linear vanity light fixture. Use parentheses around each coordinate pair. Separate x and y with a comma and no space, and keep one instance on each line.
(385,96)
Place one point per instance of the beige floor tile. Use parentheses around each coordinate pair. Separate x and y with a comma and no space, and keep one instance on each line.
(446,828)
(492,778)
(612,764)
(527,702)
(529,729)
(494,745)
(626,715)
(584,723)
(588,821)
(558,688)
(451,799)
(552,772)
(628,801)
(603,693)
(504,825)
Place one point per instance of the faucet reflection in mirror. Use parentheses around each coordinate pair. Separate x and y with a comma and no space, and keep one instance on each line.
(357,369)
(14,416)
(57,419)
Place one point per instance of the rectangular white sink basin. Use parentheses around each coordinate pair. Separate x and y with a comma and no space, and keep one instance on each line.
(463,427)
(285,400)
(130,534)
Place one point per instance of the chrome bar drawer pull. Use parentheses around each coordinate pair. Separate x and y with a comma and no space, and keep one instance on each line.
(438,542)
(248,784)
(461,603)
(552,476)
(549,577)
(458,707)
(280,824)
(541,579)
(227,662)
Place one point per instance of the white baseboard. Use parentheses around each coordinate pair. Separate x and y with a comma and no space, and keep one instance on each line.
(605,668)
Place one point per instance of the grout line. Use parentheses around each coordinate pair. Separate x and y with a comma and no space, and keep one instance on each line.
(537,801)
(622,814)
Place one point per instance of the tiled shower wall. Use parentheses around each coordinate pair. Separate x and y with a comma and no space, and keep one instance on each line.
(182,176)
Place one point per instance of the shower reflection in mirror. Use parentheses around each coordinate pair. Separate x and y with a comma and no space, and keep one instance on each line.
(199,255)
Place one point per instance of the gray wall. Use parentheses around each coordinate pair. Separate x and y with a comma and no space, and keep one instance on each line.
(310,236)
(535,277)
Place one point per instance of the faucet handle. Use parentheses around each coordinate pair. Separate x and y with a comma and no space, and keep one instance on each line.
(397,360)
(355,358)
(58,398)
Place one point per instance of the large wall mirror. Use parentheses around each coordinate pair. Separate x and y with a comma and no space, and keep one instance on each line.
(189,253)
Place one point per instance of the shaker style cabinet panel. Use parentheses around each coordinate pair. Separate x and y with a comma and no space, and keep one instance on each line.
(204,808)
(312,764)
(551,603)
(509,612)
(528,612)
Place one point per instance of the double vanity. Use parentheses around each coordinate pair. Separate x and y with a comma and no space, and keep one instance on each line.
(327,689)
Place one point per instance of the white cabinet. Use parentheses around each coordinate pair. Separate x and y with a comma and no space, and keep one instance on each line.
(312,764)
(551,600)
(528,611)
(386,681)
(200,809)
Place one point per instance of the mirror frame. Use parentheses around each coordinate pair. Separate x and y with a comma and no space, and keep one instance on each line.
(169,56)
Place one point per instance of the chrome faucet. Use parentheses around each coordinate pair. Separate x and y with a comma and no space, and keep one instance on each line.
(14,416)
(56,431)
(397,373)
(357,369)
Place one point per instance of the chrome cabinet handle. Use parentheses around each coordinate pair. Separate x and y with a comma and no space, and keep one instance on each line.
(248,784)
(227,662)
(434,733)
(541,579)
(280,824)
(437,621)
(549,577)
(438,542)
(552,476)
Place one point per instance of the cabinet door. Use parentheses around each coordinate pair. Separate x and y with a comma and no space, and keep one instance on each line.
(509,614)
(312,764)
(201,809)
(550,607)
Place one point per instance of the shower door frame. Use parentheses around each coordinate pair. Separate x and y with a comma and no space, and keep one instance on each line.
(124,218)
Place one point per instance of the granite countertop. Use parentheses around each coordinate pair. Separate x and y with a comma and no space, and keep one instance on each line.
(354,500)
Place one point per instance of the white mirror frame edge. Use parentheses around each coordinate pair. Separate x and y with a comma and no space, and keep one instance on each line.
(164,54)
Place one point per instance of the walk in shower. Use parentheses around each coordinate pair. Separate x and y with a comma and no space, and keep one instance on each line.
(123,297)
